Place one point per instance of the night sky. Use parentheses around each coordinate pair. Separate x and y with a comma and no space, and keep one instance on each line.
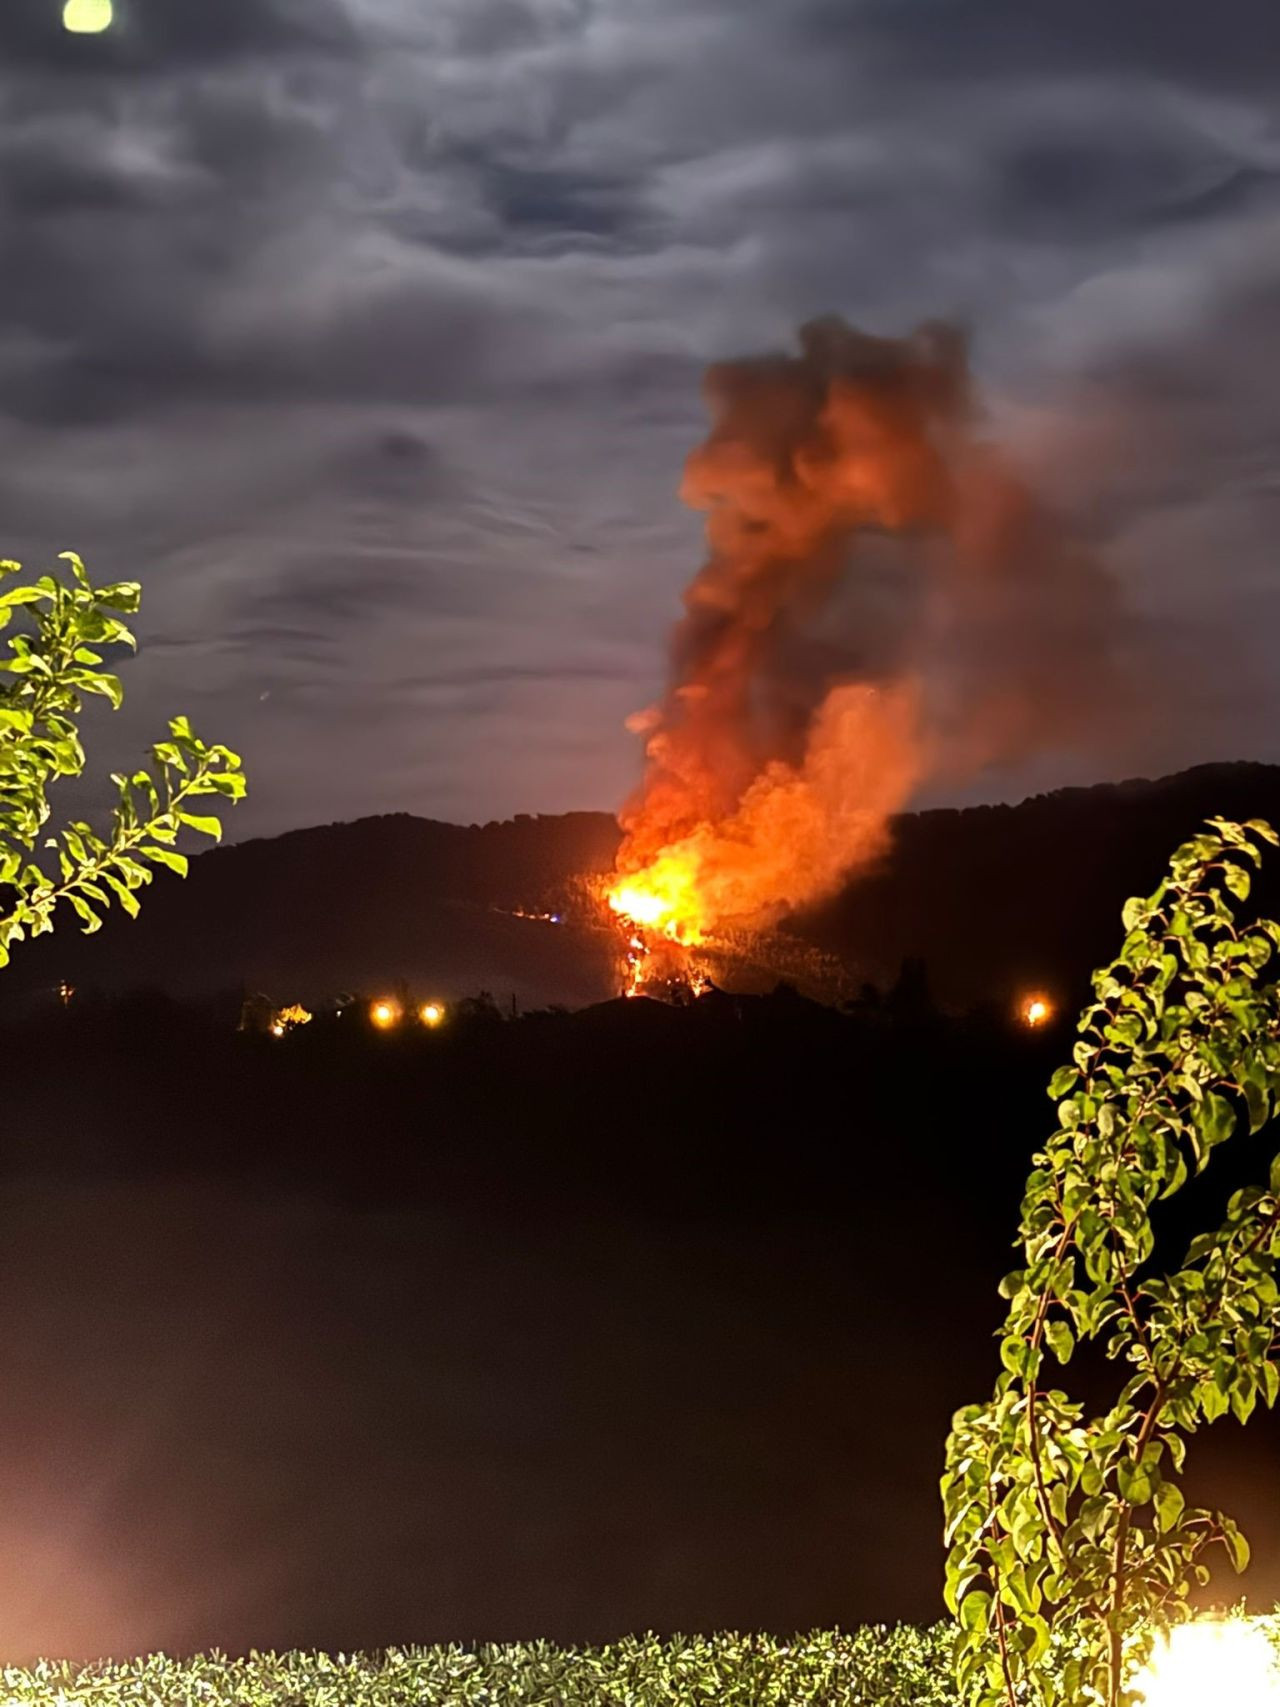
(368,334)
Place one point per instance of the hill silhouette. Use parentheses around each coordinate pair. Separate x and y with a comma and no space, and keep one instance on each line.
(994,900)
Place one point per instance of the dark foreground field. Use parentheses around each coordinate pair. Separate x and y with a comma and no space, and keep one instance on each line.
(563,1328)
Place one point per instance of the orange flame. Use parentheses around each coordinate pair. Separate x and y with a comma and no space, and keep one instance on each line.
(756,799)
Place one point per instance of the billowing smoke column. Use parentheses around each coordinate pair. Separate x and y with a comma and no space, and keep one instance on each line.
(882,600)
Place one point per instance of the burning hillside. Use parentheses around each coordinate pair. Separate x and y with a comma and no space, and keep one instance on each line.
(883,601)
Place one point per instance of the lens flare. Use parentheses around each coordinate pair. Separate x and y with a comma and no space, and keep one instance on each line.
(1231,1661)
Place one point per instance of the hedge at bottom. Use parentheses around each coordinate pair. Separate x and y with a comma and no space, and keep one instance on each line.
(873,1666)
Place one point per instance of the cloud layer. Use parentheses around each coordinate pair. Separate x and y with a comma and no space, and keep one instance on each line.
(368,334)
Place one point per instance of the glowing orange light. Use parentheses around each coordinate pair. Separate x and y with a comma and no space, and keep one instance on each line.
(384,1015)
(1036,1011)
(431,1013)
(277,1030)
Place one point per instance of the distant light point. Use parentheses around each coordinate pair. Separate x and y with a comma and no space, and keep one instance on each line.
(87,17)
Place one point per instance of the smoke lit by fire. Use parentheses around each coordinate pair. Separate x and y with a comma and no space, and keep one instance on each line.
(815,682)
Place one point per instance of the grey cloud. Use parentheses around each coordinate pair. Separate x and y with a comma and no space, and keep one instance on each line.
(369,331)
(1229,45)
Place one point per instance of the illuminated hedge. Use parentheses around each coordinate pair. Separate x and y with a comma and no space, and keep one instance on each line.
(867,1667)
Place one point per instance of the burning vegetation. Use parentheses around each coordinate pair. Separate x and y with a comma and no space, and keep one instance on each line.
(882,602)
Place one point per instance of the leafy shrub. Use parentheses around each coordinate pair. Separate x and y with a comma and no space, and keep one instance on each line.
(1071,1540)
(873,1666)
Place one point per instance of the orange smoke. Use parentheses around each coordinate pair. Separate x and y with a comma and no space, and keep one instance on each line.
(775,761)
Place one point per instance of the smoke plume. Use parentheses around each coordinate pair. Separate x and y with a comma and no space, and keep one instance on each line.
(883,602)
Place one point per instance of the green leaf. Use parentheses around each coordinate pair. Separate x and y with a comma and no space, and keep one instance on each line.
(202,826)
(1212,1400)
(1060,1339)
(1237,880)
(975,1609)
(123,596)
(1169,1504)
(1216,1119)
(168,857)
(108,687)
(127,899)
(85,912)
(1134,1482)
(1236,1545)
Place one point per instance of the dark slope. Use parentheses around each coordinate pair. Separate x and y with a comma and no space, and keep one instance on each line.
(355,907)
(1001,899)
(994,899)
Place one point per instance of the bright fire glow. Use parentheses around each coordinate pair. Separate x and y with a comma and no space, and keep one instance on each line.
(1229,1661)
(277,1030)
(384,1015)
(659,903)
(431,1013)
(87,17)
(1036,1011)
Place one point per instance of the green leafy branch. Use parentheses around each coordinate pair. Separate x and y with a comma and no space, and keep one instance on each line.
(53,662)
(1070,1541)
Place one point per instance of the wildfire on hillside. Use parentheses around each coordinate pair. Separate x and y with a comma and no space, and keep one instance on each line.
(883,602)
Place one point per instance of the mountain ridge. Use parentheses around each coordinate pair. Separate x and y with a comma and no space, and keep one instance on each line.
(993,898)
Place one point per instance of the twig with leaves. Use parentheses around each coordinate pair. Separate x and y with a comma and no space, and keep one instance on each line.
(54,660)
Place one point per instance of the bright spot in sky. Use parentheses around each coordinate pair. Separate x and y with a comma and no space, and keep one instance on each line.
(384,1014)
(1230,1661)
(87,17)
(1036,1011)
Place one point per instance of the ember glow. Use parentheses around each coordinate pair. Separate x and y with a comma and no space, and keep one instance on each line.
(1230,1661)
(781,750)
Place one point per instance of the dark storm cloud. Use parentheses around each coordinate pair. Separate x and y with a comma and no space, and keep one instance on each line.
(1233,44)
(369,331)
